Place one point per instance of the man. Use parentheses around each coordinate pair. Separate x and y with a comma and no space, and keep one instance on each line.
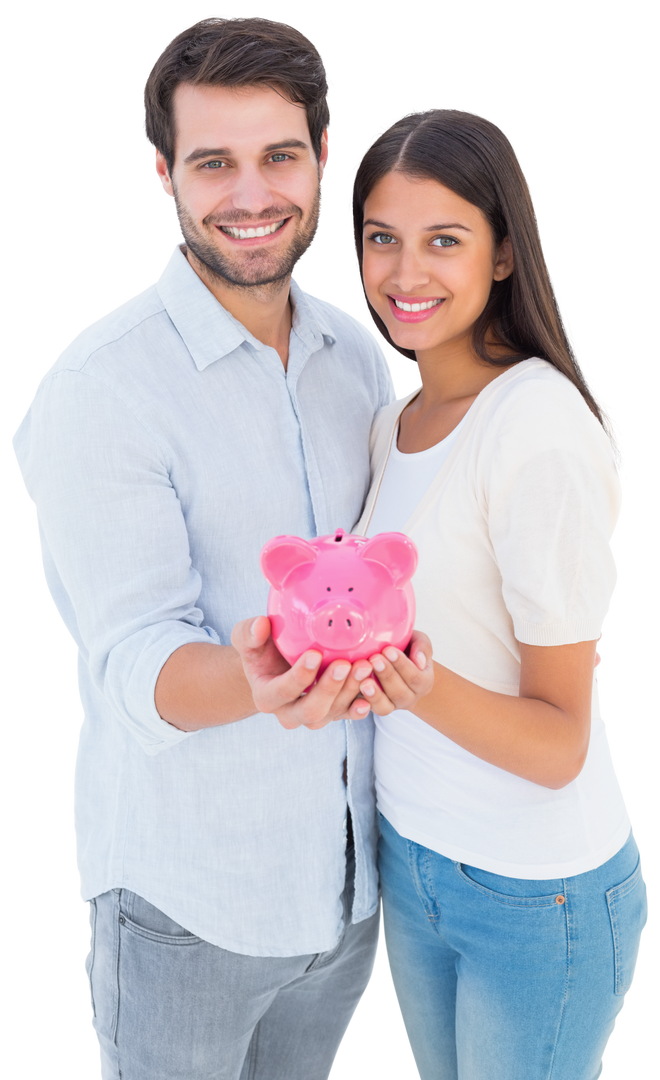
(234,928)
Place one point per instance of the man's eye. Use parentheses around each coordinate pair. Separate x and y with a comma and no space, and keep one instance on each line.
(444,241)
(214,165)
(382,238)
(279,157)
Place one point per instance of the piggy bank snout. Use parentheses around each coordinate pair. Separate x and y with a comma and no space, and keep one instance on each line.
(339,625)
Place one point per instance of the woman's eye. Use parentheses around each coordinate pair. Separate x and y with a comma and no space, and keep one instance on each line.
(382,238)
(444,241)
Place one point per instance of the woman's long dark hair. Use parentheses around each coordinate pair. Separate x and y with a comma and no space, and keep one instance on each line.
(472,157)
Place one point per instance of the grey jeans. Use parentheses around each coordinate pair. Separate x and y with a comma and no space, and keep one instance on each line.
(169,1006)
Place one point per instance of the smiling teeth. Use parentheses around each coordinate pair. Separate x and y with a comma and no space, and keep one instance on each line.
(247,234)
(418,307)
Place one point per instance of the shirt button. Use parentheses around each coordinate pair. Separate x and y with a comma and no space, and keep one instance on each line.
(560,899)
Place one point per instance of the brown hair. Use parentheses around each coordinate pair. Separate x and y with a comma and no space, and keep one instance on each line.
(236,52)
(473,158)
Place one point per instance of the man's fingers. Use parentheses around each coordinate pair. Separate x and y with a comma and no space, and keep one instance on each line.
(324,702)
(273,694)
(259,631)
(250,634)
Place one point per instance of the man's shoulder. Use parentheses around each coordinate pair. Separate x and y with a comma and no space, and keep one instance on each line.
(110,330)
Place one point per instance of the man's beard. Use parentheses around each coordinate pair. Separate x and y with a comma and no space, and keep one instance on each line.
(255,266)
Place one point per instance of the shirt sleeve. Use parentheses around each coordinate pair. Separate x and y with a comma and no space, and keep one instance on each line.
(552,495)
(115,543)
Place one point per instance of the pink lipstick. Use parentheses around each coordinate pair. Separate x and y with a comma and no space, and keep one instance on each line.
(414,309)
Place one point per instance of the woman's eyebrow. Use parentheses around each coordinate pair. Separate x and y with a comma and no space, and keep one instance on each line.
(429,228)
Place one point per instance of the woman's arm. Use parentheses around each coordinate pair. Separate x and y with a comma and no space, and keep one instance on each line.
(542,735)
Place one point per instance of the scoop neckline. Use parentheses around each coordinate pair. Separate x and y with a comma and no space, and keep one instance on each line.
(429,449)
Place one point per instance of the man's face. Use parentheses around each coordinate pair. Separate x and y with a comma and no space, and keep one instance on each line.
(245,181)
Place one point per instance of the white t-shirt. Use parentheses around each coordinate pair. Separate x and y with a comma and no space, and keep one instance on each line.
(512,516)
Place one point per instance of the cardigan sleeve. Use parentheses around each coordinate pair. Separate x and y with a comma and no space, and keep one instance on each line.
(551,495)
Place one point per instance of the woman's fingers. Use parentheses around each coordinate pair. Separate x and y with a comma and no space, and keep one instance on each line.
(402,680)
(420,649)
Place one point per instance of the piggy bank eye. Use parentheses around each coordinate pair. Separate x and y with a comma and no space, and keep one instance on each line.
(328,589)
(351,589)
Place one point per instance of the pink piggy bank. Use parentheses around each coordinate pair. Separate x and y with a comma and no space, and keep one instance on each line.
(344,595)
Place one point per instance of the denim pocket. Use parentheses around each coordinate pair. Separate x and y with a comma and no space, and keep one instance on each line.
(139,916)
(627,907)
(517,888)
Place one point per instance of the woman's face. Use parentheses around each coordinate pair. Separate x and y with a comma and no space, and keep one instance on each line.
(429,262)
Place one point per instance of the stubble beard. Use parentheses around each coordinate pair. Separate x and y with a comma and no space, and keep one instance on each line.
(254,268)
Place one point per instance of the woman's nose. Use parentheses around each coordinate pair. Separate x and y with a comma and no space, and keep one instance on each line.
(409,273)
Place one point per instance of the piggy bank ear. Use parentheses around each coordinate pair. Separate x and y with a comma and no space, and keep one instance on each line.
(283,554)
(396,552)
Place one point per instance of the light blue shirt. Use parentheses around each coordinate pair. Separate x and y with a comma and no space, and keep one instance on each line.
(165,447)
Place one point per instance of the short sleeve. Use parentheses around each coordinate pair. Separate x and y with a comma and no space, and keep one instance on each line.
(551,496)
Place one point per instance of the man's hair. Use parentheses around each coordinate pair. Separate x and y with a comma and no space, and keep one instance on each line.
(475,157)
(236,52)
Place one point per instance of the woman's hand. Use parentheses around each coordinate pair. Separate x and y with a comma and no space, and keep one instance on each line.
(403,680)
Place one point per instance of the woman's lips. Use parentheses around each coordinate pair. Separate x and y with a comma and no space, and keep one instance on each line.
(414,316)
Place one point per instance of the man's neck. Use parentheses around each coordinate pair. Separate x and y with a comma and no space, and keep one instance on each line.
(264,310)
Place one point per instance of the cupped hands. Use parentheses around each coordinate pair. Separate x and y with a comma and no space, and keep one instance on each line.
(343,691)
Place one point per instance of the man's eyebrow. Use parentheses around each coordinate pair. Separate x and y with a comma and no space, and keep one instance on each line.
(429,228)
(224,151)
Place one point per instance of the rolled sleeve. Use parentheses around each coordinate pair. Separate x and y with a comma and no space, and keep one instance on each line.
(114,530)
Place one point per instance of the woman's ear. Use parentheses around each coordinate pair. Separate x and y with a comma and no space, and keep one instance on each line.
(503,261)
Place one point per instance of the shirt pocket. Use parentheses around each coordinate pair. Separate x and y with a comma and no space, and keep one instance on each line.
(628,909)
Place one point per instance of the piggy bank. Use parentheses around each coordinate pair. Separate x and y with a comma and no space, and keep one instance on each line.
(344,595)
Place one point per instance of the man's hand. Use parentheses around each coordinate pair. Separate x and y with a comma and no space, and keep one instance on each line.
(283,690)
(403,680)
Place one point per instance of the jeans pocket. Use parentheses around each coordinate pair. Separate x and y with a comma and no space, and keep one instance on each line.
(144,919)
(627,907)
(511,892)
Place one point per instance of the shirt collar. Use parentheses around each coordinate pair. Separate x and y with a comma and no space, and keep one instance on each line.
(209,331)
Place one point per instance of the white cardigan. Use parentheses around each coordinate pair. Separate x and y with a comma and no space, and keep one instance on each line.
(513,539)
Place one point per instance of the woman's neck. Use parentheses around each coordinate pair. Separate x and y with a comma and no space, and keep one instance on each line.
(451,380)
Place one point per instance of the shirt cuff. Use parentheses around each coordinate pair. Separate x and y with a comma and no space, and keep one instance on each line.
(557,633)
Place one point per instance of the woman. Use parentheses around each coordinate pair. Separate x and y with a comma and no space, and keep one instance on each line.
(513,896)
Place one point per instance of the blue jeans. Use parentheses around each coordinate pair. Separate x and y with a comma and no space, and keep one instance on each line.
(501,978)
(170,1006)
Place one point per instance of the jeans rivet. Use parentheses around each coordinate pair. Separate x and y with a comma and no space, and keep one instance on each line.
(122,920)
(560,899)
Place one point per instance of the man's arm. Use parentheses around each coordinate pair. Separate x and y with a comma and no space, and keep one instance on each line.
(204,686)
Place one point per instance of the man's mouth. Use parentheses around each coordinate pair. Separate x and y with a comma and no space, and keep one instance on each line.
(250,232)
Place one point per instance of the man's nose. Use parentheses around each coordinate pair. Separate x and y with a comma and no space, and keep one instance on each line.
(251,191)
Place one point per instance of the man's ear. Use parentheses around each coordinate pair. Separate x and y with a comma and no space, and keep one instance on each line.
(164,173)
(503,261)
(324,152)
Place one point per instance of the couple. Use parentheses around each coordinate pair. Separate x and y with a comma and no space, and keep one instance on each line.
(226,819)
